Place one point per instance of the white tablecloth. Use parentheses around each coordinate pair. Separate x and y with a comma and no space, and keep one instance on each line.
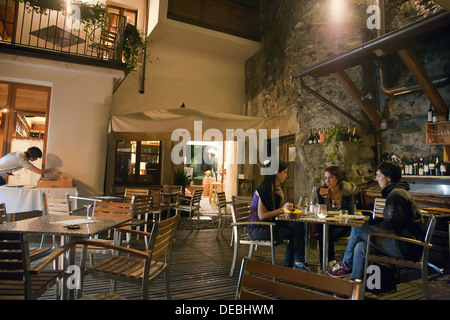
(22,199)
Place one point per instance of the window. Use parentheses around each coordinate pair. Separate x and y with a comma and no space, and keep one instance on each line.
(138,162)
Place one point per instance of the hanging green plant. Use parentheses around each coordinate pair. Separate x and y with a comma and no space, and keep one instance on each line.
(133,47)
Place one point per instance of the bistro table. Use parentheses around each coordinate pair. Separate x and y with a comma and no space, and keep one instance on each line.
(331,219)
(57,225)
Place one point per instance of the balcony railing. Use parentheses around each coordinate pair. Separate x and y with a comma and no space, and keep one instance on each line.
(53,31)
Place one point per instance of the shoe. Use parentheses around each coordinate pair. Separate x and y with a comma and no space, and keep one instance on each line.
(338,271)
(331,263)
(301,266)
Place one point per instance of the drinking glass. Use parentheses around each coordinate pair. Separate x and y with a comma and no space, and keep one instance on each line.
(343,216)
(336,205)
(322,211)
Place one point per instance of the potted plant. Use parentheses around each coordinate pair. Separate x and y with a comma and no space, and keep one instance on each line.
(180,178)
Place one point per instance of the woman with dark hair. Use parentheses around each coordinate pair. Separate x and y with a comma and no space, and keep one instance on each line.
(336,188)
(401,217)
(267,203)
(17,160)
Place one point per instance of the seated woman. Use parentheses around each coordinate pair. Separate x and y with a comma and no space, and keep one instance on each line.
(401,217)
(337,188)
(267,203)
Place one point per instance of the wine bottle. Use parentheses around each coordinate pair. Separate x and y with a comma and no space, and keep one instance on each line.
(311,138)
(437,167)
(431,167)
(421,167)
(435,117)
(425,167)
(315,136)
(415,167)
(430,114)
(349,134)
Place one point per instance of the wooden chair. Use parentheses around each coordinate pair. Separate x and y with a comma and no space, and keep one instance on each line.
(378,208)
(239,213)
(263,281)
(3,216)
(191,205)
(18,280)
(35,253)
(139,267)
(222,206)
(421,264)
(129,192)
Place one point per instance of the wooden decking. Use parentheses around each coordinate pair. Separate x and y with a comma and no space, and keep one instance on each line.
(201,265)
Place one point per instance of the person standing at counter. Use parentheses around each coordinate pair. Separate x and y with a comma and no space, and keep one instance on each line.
(337,188)
(401,217)
(267,203)
(17,160)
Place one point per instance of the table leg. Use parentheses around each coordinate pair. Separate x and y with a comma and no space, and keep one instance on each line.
(307,238)
(325,249)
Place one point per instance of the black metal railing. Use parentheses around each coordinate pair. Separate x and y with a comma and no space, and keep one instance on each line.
(53,31)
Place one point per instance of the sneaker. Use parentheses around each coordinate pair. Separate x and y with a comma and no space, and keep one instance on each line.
(338,271)
(331,263)
(301,266)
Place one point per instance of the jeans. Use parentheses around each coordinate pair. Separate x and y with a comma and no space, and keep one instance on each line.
(355,254)
(285,230)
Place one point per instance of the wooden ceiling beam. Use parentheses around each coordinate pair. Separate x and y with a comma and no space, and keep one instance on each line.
(351,87)
(420,74)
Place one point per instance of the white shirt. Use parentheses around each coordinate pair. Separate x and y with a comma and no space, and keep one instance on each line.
(12,162)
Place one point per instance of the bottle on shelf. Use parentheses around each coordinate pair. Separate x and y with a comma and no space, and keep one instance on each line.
(415,167)
(430,114)
(435,117)
(349,134)
(443,169)
(315,136)
(437,167)
(420,167)
(425,167)
(431,167)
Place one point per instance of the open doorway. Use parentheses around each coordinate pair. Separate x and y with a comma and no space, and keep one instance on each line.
(24,124)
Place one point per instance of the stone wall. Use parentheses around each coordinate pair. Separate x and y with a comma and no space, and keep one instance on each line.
(298,34)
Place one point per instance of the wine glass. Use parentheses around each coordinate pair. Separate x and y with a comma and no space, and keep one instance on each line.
(336,205)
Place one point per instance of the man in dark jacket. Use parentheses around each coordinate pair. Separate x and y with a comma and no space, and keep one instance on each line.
(401,217)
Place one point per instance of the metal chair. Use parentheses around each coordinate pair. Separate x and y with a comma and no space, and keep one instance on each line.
(263,281)
(421,264)
(222,205)
(240,212)
(135,266)
(191,205)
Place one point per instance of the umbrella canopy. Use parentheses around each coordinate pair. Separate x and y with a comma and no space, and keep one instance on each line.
(159,125)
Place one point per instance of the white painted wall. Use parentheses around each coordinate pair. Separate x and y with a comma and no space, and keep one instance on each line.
(78,118)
